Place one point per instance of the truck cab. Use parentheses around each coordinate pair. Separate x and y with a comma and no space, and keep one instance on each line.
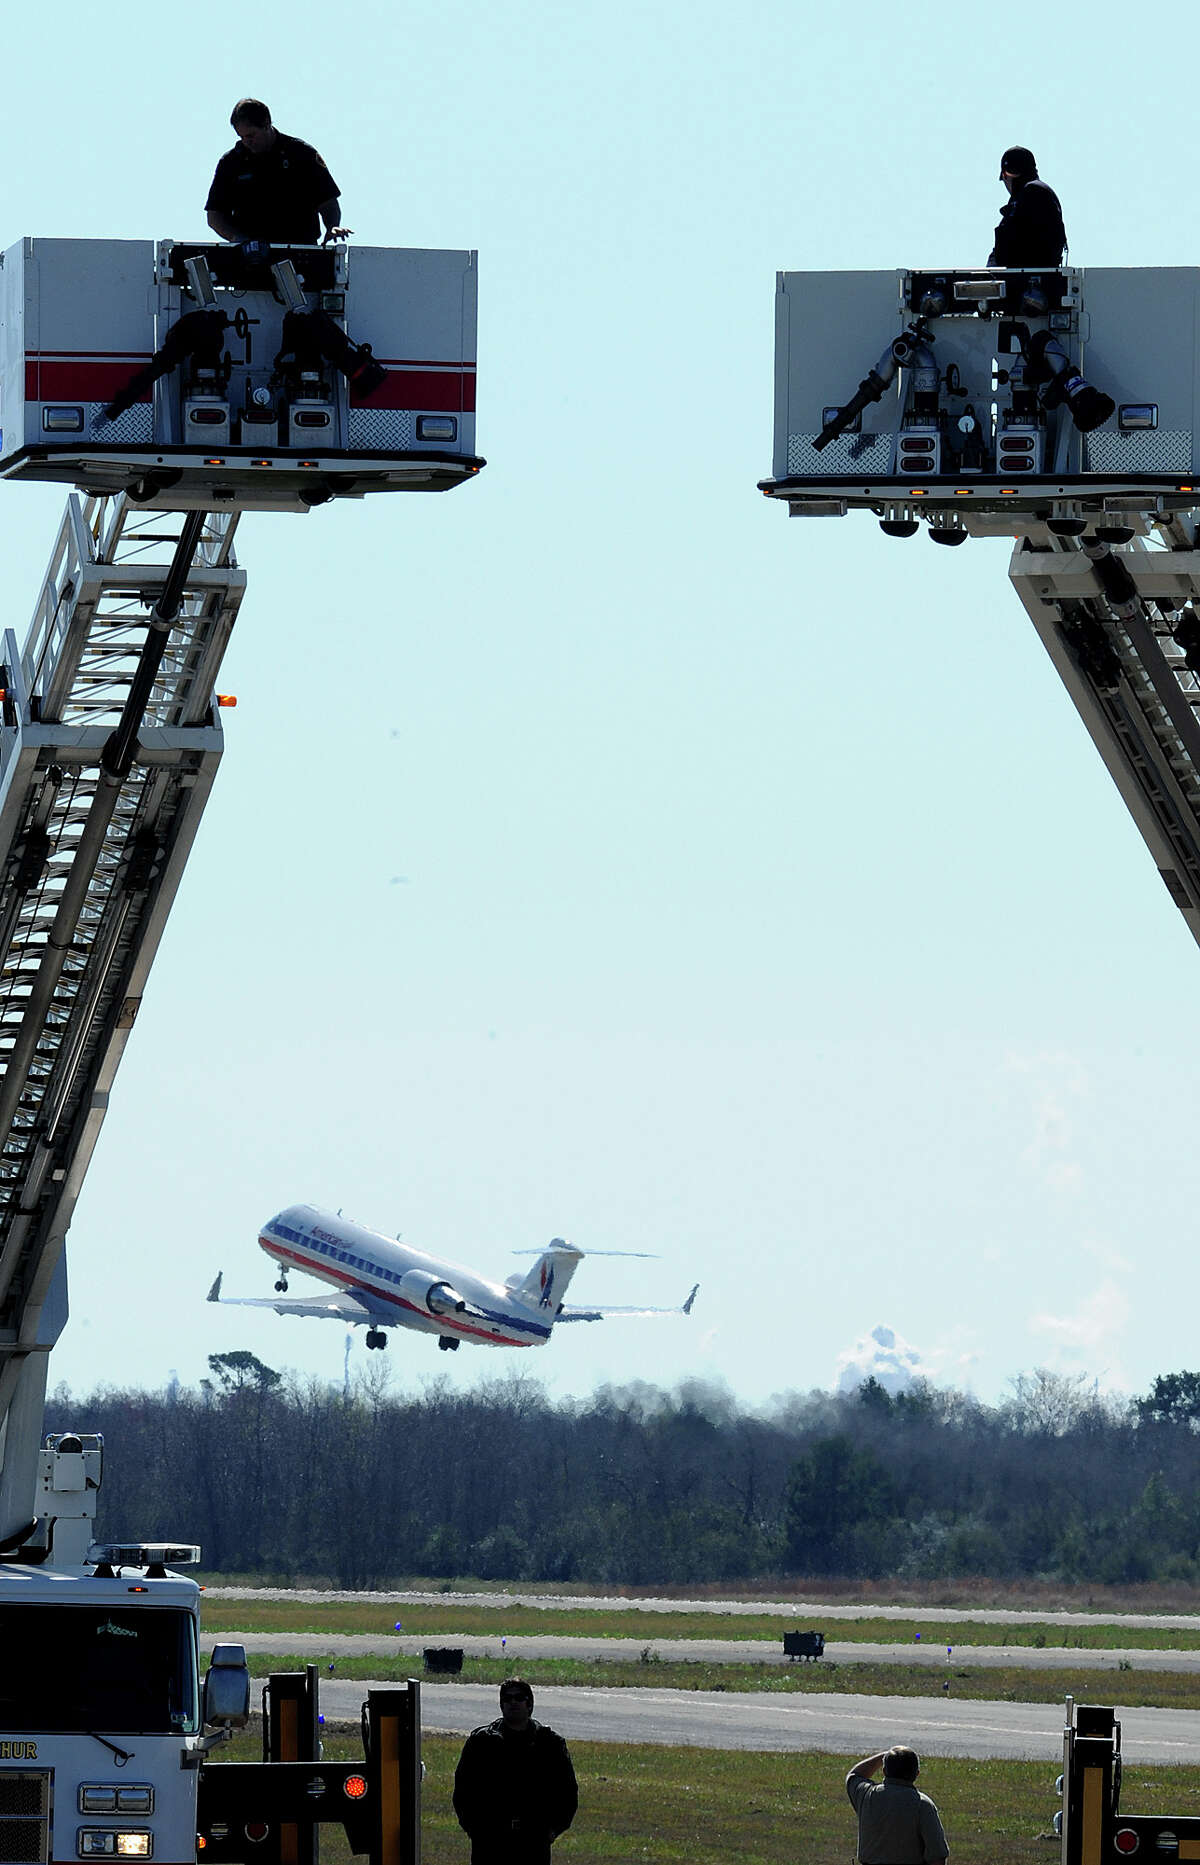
(99,1712)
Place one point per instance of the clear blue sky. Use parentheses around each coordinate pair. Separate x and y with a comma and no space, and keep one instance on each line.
(597,852)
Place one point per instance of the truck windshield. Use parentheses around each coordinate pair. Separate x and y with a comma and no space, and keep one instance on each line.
(111,1669)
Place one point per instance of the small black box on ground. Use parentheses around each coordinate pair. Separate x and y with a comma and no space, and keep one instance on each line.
(803,1644)
(447,1659)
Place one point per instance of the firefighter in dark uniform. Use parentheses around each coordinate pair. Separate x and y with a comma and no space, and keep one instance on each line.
(514,1787)
(1031,234)
(271,187)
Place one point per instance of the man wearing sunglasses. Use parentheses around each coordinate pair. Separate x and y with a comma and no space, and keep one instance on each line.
(1031,235)
(514,1787)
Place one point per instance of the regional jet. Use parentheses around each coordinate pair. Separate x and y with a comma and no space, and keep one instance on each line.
(380,1283)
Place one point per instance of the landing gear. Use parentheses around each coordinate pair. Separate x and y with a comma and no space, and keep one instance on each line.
(376,1338)
(281,1286)
(447,1344)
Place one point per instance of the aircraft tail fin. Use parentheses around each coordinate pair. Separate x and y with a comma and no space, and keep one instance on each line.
(546,1283)
(214,1294)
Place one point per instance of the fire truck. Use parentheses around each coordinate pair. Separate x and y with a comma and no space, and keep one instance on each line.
(169,387)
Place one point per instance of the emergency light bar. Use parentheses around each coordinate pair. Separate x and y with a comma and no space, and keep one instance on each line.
(150,1554)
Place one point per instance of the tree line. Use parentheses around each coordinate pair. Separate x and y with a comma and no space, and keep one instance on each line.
(637,1486)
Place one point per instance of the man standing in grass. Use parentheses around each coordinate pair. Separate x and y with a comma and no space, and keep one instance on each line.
(514,1787)
(897,1825)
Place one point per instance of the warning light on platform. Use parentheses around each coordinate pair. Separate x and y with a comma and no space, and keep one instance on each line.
(1126,1840)
(354,1786)
(227,699)
(256,1831)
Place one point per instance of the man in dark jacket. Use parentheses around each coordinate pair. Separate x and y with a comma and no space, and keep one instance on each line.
(514,1787)
(269,186)
(1031,234)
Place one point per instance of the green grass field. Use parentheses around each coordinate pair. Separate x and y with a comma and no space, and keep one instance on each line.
(441,1623)
(703,1806)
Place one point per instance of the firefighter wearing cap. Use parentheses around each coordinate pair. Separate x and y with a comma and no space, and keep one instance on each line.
(1031,234)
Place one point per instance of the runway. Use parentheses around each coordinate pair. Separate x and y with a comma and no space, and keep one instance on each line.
(840,1725)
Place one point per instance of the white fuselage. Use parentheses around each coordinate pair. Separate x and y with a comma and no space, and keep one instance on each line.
(396,1283)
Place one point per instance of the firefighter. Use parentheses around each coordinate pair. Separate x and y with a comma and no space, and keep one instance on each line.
(1031,232)
(271,188)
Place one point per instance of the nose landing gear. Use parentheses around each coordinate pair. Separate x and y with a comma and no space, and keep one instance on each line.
(281,1286)
(376,1338)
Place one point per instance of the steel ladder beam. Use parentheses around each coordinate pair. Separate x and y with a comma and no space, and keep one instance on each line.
(1134,691)
(108,750)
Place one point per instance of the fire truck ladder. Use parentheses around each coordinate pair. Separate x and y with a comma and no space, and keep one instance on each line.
(108,749)
(1118,611)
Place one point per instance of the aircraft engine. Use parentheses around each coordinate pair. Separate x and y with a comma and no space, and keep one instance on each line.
(430,1293)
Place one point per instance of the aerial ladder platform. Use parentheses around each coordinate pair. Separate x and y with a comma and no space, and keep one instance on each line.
(171,388)
(1060,409)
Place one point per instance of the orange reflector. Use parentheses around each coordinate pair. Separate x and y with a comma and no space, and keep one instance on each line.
(354,1786)
(1187,488)
(918,492)
(201,1842)
(137,1589)
(214,462)
(260,462)
(227,699)
(1007,491)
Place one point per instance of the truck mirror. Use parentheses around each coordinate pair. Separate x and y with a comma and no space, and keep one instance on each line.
(227,1688)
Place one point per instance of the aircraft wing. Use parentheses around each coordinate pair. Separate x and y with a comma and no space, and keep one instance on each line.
(336,1306)
(602,1314)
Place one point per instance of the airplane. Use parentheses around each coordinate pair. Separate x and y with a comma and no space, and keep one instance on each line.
(382,1283)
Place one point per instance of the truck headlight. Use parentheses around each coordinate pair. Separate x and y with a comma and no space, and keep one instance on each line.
(97,1842)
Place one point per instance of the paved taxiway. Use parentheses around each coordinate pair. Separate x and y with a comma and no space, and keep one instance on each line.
(317,1645)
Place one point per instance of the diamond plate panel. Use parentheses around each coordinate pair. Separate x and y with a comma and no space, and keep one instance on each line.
(382,430)
(849,453)
(1161,450)
(134,428)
